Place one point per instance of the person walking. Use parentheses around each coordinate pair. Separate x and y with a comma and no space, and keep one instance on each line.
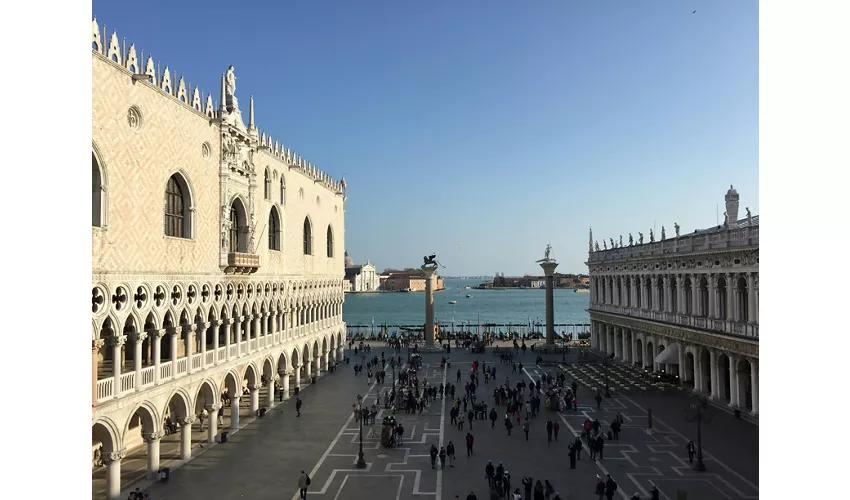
(303,483)
(442,456)
(610,487)
(527,484)
(469,442)
(578,446)
(691,450)
(598,399)
(450,452)
(525,428)
(572,454)
(654,493)
(549,427)
(556,427)
(433,453)
(298,404)
(600,488)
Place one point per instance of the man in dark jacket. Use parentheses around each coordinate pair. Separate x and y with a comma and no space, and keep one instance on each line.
(489,472)
(527,484)
(549,427)
(493,417)
(610,488)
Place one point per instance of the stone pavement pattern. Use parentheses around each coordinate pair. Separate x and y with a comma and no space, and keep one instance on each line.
(264,459)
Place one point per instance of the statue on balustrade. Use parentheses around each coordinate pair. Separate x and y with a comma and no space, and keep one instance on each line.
(640,238)
(631,240)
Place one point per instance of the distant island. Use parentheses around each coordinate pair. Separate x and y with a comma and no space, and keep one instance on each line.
(570,281)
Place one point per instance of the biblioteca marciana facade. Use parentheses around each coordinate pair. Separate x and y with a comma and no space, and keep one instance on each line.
(687,305)
(217,263)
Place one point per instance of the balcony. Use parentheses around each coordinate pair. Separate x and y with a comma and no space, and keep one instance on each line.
(722,326)
(731,238)
(242,263)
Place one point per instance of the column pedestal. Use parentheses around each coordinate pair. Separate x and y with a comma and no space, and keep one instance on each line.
(549,266)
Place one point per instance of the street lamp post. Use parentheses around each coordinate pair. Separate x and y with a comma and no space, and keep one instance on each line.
(361,462)
(698,412)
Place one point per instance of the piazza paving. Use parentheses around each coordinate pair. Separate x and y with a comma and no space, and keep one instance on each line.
(263,459)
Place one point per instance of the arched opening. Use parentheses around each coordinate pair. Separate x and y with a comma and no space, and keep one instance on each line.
(128,351)
(205,401)
(98,193)
(183,336)
(745,392)
(178,203)
(724,391)
(231,410)
(308,237)
(267,185)
(618,291)
(105,366)
(238,227)
(175,416)
(674,295)
(282,190)
(104,442)
(650,357)
(742,302)
(147,345)
(689,297)
(305,362)
(209,340)
(141,423)
(705,371)
(722,295)
(661,367)
(330,240)
(274,229)
(702,297)
(166,352)
(659,286)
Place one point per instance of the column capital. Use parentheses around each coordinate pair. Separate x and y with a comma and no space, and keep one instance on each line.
(150,437)
(235,400)
(118,340)
(207,324)
(187,420)
(218,322)
(159,333)
(192,328)
(211,407)
(229,321)
(114,456)
(140,337)
(97,344)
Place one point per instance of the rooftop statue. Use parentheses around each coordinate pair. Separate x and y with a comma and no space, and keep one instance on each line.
(676,228)
(604,245)
(640,237)
(596,246)
(651,236)
(663,234)
(631,240)
(621,241)
(548,253)
(612,243)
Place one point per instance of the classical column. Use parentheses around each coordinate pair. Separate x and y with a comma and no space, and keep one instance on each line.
(153,439)
(284,383)
(234,413)
(429,304)
(96,345)
(270,392)
(117,343)
(730,299)
(734,402)
(617,342)
(714,377)
(754,381)
(274,325)
(317,368)
(681,369)
(254,392)
(206,327)
(325,360)
(237,331)
(549,266)
(695,302)
(298,376)
(172,339)
(137,357)
(186,437)
(667,294)
(112,461)
(752,314)
(190,346)
(157,352)
(341,355)
(712,297)
(216,326)
(634,349)
(680,295)
(228,326)
(212,430)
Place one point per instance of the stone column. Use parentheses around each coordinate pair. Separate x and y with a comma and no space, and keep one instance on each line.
(617,342)
(96,345)
(157,353)
(714,377)
(234,413)
(270,392)
(734,402)
(153,439)
(212,430)
(117,355)
(325,361)
(228,326)
(712,298)
(341,355)
(216,326)
(680,295)
(681,369)
(298,376)
(634,348)
(237,331)
(172,338)
(730,299)
(137,357)
(754,381)
(254,391)
(284,383)
(190,346)
(549,266)
(429,305)
(698,382)
(206,327)
(186,437)
(112,461)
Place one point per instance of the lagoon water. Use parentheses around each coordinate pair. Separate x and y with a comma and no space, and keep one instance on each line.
(495,306)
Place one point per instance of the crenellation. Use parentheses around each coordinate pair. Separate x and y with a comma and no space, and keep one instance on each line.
(196,99)
(150,70)
(114,52)
(210,108)
(181,90)
(132,61)
(96,42)
(165,81)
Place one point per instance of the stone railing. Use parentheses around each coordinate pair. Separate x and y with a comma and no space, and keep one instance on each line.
(716,325)
(731,238)
(169,370)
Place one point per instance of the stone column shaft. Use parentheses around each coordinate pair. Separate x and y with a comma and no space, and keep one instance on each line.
(754,382)
(234,413)
(714,377)
(284,382)
(270,392)
(153,440)
(212,430)
(752,314)
(137,358)
(734,402)
(113,475)
(186,438)
(254,391)
(157,353)
(429,305)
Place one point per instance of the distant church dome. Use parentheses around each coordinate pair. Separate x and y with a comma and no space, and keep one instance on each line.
(348,260)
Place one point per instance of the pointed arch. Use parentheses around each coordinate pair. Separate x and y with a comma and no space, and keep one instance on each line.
(274,229)
(282,191)
(238,226)
(179,207)
(308,236)
(98,189)
(267,185)
(330,241)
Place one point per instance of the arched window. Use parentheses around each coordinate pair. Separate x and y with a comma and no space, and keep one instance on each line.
(267,191)
(238,227)
(330,242)
(96,193)
(282,190)
(274,230)
(308,237)
(178,219)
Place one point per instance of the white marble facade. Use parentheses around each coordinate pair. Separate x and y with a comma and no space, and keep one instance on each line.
(696,294)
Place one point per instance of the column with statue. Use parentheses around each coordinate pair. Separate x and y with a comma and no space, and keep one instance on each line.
(548,263)
(429,268)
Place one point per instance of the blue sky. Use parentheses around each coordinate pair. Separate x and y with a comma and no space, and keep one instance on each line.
(483,130)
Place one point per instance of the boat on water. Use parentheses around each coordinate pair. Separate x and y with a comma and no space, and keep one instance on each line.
(581,290)
(468,296)
(467,287)
(452,302)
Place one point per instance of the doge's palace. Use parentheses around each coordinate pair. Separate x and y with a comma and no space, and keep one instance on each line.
(687,305)
(217,262)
